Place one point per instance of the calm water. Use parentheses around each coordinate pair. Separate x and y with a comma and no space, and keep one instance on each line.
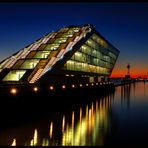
(120,118)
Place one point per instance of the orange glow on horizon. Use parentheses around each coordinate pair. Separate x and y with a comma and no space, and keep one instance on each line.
(134,72)
(132,76)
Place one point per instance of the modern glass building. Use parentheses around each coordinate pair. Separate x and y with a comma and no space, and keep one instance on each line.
(70,54)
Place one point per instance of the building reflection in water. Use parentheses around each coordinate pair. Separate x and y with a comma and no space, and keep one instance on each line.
(63,124)
(51,130)
(34,141)
(91,128)
(87,126)
(125,95)
(14,142)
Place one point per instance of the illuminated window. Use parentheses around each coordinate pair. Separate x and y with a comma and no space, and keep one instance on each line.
(78,56)
(86,49)
(67,35)
(71,31)
(78,66)
(89,41)
(70,65)
(42,54)
(29,64)
(60,40)
(92,68)
(95,61)
(91,79)
(94,53)
(52,47)
(14,75)
(91,57)
(99,40)
(85,67)
(98,54)
(76,29)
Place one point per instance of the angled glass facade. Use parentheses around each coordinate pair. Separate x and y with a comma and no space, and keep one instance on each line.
(94,56)
(88,52)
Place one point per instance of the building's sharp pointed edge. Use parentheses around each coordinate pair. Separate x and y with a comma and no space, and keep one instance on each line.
(72,50)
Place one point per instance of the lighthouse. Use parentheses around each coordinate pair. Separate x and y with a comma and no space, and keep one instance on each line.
(128,71)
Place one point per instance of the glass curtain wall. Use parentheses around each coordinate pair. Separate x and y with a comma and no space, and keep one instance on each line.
(94,57)
(36,57)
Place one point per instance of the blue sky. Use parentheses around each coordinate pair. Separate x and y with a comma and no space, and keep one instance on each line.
(125,25)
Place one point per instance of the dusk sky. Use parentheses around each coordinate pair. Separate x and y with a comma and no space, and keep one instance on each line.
(125,25)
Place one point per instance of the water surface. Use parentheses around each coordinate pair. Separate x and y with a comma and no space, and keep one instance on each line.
(119,118)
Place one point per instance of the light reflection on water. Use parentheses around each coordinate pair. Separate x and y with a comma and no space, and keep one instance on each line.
(90,129)
(86,126)
(90,124)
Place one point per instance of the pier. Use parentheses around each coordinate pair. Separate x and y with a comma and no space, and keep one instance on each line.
(123,81)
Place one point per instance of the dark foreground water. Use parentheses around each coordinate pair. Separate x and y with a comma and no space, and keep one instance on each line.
(120,118)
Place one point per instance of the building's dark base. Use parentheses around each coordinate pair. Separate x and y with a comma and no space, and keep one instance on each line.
(29,106)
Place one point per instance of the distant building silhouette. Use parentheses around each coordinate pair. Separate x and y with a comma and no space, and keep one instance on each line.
(128,71)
